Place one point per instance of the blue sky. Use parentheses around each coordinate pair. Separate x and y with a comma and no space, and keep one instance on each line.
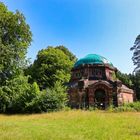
(105,27)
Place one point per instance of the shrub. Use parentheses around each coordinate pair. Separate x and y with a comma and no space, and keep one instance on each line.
(51,99)
(4,99)
(22,99)
(135,106)
(16,94)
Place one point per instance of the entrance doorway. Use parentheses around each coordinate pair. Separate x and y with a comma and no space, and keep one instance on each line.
(100,99)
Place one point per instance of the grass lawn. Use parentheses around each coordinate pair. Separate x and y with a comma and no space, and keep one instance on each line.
(71,125)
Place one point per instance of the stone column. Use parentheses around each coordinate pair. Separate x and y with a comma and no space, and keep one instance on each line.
(91,97)
(80,99)
(120,99)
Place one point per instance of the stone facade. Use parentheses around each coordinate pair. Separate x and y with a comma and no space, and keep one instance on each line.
(96,85)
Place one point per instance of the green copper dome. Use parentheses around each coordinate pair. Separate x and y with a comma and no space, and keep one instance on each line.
(93,59)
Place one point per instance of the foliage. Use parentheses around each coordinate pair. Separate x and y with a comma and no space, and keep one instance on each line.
(52,99)
(135,78)
(135,106)
(114,76)
(136,53)
(16,94)
(15,37)
(4,99)
(21,97)
(50,66)
(125,78)
(71,56)
(136,60)
(93,108)
(132,81)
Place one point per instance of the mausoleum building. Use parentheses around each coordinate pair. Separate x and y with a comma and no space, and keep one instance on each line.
(94,83)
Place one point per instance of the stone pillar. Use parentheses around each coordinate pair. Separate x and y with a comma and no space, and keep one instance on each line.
(110,98)
(120,99)
(80,98)
(91,97)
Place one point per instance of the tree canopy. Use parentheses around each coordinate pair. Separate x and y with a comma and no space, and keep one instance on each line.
(136,53)
(125,78)
(71,56)
(51,65)
(15,37)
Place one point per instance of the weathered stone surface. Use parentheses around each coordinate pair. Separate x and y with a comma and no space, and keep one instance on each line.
(94,84)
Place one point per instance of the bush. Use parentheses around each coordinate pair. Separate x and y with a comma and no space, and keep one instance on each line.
(4,99)
(18,96)
(22,99)
(51,99)
(135,106)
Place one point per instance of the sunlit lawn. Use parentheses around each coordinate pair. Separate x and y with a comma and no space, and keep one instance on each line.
(71,125)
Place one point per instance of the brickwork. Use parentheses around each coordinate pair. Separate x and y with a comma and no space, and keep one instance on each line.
(87,79)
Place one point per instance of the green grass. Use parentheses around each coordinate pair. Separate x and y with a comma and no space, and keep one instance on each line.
(71,125)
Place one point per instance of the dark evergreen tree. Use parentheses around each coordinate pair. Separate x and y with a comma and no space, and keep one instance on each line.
(136,54)
(135,77)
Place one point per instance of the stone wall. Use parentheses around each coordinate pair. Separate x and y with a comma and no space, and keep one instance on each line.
(127,98)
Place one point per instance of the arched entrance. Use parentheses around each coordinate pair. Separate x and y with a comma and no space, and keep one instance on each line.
(100,98)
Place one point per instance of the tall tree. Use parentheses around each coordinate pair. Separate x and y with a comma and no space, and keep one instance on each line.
(136,60)
(50,66)
(15,37)
(135,78)
(136,54)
